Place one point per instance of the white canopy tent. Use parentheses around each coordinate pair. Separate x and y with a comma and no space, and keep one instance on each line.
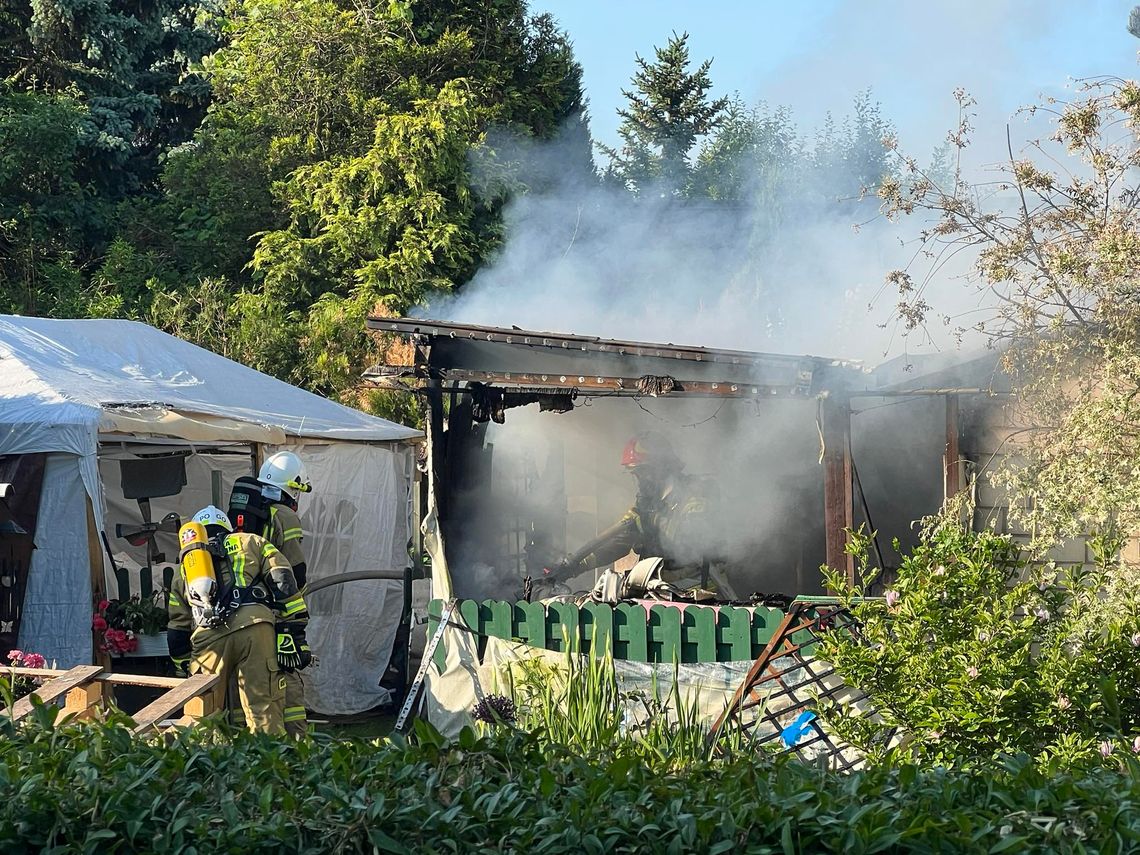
(90,393)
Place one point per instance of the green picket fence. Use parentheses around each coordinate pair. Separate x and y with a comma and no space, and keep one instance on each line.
(663,633)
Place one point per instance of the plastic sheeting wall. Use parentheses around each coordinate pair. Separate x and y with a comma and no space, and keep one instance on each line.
(356,518)
(58,601)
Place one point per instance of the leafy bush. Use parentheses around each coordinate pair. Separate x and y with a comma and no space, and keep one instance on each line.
(85,788)
(977,653)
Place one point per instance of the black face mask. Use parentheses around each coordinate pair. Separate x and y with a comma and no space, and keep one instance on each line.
(651,483)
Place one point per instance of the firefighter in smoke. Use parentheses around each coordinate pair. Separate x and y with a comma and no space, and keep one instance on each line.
(673,520)
(268,506)
(222,617)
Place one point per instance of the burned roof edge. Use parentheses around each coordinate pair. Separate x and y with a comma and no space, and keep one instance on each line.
(517,337)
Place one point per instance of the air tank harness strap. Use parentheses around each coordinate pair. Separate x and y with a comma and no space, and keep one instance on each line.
(239,596)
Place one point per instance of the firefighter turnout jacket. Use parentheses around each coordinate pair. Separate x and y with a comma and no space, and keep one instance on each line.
(244,646)
(283,530)
(679,524)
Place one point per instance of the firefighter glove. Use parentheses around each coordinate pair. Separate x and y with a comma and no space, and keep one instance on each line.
(288,656)
(293,652)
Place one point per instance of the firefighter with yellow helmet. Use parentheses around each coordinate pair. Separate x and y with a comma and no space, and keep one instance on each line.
(268,506)
(222,617)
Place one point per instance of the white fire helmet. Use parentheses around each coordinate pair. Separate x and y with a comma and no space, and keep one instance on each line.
(285,471)
(211,515)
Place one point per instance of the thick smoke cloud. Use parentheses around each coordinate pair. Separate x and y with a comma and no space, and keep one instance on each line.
(783,268)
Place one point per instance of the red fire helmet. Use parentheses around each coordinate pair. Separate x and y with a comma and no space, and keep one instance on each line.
(648,447)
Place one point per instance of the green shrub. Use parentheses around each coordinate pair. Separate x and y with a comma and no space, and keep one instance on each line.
(96,788)
(977,653)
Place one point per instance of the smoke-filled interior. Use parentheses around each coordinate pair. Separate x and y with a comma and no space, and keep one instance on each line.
(541,484)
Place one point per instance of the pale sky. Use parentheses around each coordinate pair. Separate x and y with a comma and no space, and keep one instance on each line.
(815,56)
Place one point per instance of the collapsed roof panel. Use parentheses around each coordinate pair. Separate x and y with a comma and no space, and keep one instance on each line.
(530,359)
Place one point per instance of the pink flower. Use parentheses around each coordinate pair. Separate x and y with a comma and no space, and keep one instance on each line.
(103,604)
(15,656)
(1106,749)
(1063,702)
(971,672)
(1135,639)
(1136,745)
(98,624)
(34,660)
(1042,613)
(983,636)
(892,599)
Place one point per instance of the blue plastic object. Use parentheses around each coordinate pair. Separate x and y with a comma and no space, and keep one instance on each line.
(795,731)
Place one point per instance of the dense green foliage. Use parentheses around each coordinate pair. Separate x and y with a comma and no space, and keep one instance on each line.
(90,787)
(257,176)
(978,653)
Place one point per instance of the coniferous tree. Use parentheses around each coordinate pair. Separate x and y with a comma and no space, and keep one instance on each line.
(669,111)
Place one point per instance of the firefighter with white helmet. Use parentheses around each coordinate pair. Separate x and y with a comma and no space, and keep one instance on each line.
(268,506)
(229,628)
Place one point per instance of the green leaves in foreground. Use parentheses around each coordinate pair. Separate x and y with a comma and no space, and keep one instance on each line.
(87,788)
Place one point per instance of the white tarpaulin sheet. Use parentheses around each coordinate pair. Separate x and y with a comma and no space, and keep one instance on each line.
(65,383)
(356,518)
(466,679)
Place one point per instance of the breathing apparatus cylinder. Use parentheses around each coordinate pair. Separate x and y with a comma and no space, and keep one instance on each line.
(198,567)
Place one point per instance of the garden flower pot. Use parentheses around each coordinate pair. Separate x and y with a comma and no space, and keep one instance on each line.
(150,645)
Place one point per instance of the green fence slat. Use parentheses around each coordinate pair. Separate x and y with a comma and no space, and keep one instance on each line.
(498,621)
(664,631)
(562,627)
(698,634)
(662,634)
(530,623)
(734,627)
(630,640)
(597,628)
(764,624)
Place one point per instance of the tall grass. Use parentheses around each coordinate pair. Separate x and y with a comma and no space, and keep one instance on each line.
(580,704)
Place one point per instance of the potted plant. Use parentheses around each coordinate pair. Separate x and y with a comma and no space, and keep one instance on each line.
(136,626)
(13,687)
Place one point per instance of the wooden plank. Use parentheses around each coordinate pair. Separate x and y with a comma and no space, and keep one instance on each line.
(838,507)
(598,628)
(206,703)
(141,680)
(698,634)
(174,700)
(83,700)
(664,634)
(56,688)
(951,469)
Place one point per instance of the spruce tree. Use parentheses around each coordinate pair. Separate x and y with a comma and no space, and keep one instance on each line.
(669,112)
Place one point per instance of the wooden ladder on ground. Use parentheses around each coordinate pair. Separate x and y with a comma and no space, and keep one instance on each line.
(84,688)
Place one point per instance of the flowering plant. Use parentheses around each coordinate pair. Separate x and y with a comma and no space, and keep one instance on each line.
(119,622)
(21,686)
